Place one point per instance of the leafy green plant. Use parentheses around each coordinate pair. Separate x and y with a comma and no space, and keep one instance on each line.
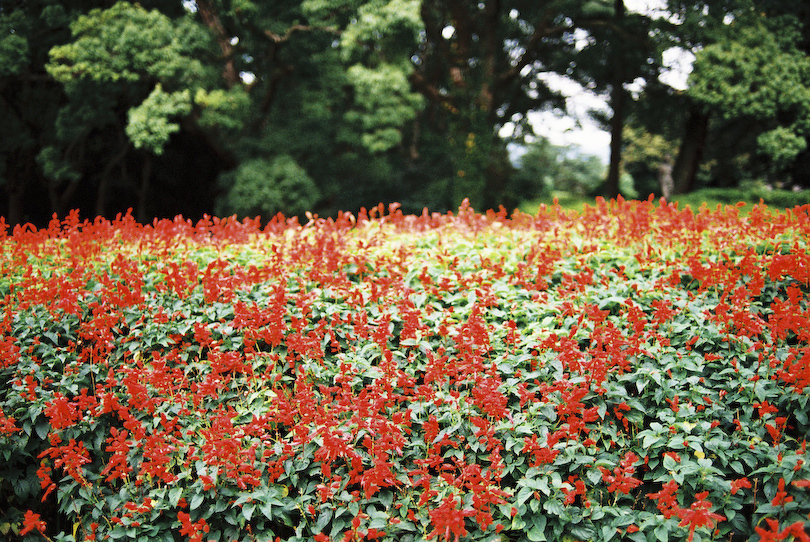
(630,371)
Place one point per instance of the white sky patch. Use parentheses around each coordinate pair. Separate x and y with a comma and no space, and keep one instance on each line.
(247,77)
(577,128)
(678,63)
(653,8)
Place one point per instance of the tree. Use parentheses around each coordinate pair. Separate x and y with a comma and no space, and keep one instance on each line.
(759,73)
(725,37)
(28,96)
(130,74)
(477,66)
(617,51)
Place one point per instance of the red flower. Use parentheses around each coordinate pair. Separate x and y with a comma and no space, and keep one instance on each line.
(7,425)
(781,498)
(698,515)
(736,485)
(771,533)
(667,499)
(195,530)
(448,520)
(32,522)
(673,404)
(622,479)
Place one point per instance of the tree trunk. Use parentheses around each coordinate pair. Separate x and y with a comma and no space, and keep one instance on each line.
(143,191)
(104,182)
(691,151)
(616,140)
(496,175)
(617,100)
(210,18)
(15,205)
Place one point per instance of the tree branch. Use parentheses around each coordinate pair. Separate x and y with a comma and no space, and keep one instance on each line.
(211,19)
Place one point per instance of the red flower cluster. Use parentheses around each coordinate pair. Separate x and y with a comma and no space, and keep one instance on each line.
(374,375)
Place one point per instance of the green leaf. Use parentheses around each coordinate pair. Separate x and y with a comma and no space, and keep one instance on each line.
(174,495)
(247,510)
(583,531)
(670,463)
(536,535)
(267,510)
(554,507)
(42,428)
(650,440)
(323,520)
(523,495)
(196,501)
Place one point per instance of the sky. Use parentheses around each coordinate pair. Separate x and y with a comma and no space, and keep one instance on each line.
(579,130)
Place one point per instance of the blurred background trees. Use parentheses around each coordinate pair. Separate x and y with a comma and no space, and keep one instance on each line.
(248,107)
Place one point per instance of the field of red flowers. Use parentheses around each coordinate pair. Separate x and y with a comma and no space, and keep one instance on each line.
(629,372)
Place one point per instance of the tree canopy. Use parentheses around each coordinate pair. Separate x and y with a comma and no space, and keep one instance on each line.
(250,107)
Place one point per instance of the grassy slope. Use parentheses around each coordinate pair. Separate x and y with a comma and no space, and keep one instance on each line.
(712,197)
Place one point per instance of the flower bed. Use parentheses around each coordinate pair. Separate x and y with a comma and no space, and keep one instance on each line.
(630,372)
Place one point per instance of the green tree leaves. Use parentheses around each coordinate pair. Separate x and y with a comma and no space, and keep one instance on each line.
(148,124)
(384,104)
(266,187)
(755,70)
(13,45)
(126,43)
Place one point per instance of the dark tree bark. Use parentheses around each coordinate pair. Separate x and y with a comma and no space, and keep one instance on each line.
(618,96)
(104,181)
(691,151)
(144,190)
(211,19)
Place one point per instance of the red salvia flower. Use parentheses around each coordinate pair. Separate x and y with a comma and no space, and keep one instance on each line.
(781,498)
(621,479)
(738,484)
(699,515)
(448,520)
(32,522)
(667,499)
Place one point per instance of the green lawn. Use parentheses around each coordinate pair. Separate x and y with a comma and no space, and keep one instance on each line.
(712,197)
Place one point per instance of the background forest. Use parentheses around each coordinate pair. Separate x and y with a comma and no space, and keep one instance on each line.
(255,107)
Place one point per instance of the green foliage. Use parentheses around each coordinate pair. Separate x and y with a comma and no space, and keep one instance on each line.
(580,174)
(55,166)
(223,109)
(378,100)
(14,50)
(758,72)
(782,145)
(148,124)
(267,187)
(384,104)
(126,43)
(545,168)
(643,155)
(388,27)
(536,170)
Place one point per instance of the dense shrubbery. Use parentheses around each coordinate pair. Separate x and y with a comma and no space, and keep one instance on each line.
(629,372)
